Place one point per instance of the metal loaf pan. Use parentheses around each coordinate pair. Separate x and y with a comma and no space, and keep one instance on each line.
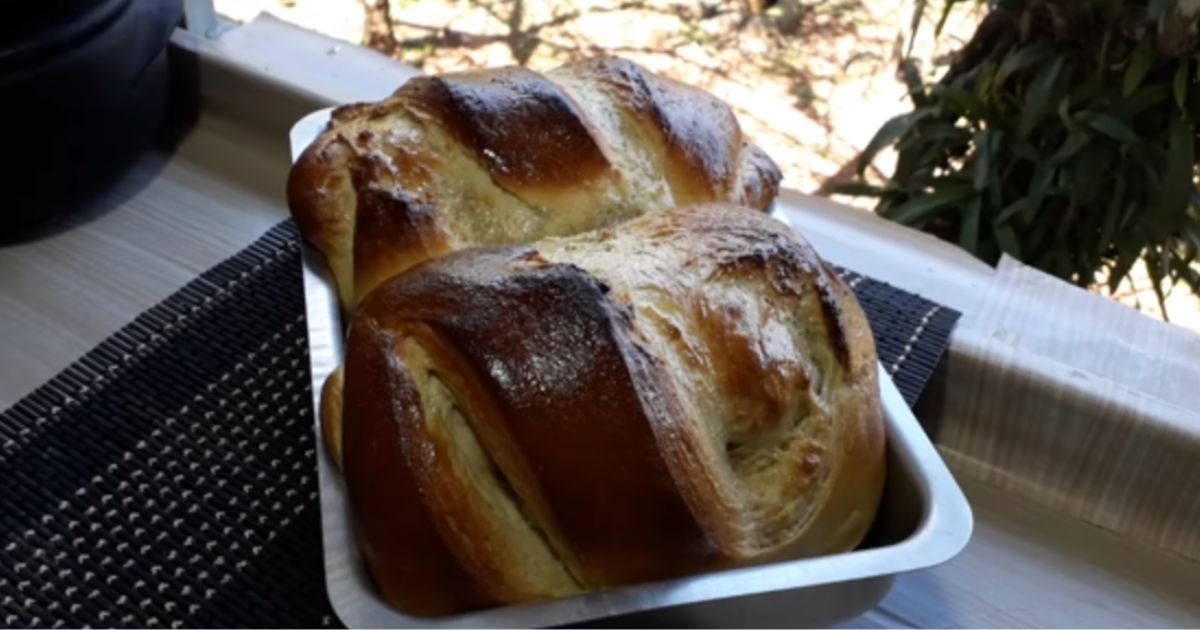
(924,520)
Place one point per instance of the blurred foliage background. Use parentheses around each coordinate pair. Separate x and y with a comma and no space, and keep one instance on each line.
(813,81)
(1063,135)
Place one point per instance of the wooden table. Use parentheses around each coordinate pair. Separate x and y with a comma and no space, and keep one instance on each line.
(183,210)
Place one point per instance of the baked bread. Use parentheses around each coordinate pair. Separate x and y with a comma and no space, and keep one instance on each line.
(691,390)
(509,155)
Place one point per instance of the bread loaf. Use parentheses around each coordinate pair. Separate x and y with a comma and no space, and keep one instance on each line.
(508,156)
(691,390)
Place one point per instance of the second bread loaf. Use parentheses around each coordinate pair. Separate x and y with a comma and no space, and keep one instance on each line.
(691,390)
(509,155)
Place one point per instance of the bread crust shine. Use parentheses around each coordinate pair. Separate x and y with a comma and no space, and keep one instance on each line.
(508,156)
(689,391)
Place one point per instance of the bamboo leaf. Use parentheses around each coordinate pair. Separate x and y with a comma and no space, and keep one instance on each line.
(1142,99)
(1062,262)
(983,158)
(1022,148)
(890,132)
(1039,96)
(1157,9)
(1039,186)
(1075,141)
(941,132)
(925,206)
(941,23)
(1064,113)
(1113,128)
(1128,252)
(1191,234)
(1019,59)
(1011,210)
(859,189)
(1139,64)
(985,74)
(968,236)
(1155,270)
(1111,214)
(916,87)
(1188,274)
(1089,90)
(918,13)
(958,101)
(1180,85)
(1006,238)
(1171,200)
(994,185)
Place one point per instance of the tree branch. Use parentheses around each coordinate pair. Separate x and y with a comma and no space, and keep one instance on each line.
(377,26)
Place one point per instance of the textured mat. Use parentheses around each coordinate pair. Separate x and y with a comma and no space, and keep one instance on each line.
(168,478)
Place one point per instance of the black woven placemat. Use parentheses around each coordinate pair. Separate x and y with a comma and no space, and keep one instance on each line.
(168,478)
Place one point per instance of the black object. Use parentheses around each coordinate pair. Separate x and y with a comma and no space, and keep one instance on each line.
(169,476)
(83,89)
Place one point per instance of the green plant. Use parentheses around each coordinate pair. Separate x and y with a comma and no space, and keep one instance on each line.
(1064,134)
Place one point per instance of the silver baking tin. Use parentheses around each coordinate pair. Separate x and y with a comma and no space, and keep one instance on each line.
(923,521)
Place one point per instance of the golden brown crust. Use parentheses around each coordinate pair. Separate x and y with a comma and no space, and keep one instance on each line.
(331,415)
(516,122)
(571,415)
(699,135)
(692,390)
(400,542)
(770,355)
(509,156)
(760,177)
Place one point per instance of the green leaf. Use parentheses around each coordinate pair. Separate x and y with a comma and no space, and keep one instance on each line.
(1144,98)
(1102,56)
(941,23)
(1039,96)
(994,185)
(1185,272)
(968,235)
(1113,128)
(1023,149)
(924,206)
(1170,202)
(1139,64)
(1128,252)
(916,87)
(1157,9)
(1011,210)
(1064,114)
(956,100)
(1019,59)
(1150,158)
(944,133)
(1039,186)
(1191,234)
(918,13)
(1180,85)
(890,132)
(1075,141)
(1089,90)
(1062,262)
(1154,269)
(983,158)
(859,189)
(1111,214)
(1006,238)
